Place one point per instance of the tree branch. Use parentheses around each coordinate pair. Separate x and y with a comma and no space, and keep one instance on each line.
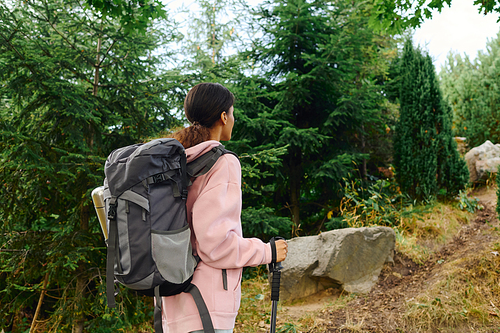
(107,52)
(32,70)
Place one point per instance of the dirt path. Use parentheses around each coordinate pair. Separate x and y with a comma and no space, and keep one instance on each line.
(381,310)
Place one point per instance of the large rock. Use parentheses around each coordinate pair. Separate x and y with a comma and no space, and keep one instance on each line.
(349,258)
(483,160)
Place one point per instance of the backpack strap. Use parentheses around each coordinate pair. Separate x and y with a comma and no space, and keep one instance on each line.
(184,176)
(206,320)
(205,162)
(112,248)
(158,306)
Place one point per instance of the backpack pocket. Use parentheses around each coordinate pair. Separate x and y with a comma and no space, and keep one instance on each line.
(132,209)
(173,254)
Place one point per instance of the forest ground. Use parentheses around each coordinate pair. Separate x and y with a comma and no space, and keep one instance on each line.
(457,289)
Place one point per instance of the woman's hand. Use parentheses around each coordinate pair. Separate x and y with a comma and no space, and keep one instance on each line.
(281,250)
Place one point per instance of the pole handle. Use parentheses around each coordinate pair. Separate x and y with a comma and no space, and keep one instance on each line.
(275,269)
(274,266)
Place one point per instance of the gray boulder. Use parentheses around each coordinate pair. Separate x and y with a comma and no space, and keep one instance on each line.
(349,258)
(482,160)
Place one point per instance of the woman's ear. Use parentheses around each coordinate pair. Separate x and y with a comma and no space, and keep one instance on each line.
(223,117)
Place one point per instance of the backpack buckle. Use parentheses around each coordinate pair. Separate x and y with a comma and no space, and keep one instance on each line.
(158,178)
(112,212)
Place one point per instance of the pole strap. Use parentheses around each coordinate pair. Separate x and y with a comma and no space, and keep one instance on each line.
(273,250)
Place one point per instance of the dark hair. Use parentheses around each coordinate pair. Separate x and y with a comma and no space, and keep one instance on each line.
(203,106)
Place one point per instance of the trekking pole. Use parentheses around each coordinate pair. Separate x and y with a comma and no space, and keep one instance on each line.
(274,268)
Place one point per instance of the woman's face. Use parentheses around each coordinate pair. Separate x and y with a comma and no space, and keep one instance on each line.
(228,126)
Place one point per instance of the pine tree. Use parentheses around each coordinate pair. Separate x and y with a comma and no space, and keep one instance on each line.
(425,153)
(74,87)
(471,90)
(313,91)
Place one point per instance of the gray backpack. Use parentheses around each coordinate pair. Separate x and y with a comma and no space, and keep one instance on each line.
(149,244)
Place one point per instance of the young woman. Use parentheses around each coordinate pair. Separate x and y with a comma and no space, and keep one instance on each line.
(214,208)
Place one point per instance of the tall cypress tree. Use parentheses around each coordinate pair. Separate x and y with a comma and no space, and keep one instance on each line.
(425,153)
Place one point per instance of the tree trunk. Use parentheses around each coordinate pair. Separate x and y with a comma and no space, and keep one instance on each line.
(97,66)
(84,220)
(40,301)
(81,280)
(79,295)
(363,145)
(295,167)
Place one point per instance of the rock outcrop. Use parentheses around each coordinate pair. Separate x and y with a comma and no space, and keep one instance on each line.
(482,160)
(350,258)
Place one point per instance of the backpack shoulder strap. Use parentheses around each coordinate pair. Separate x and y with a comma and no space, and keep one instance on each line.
(206,320)
(205,162)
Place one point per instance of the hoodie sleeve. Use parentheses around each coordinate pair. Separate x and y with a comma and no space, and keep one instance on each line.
(216,221)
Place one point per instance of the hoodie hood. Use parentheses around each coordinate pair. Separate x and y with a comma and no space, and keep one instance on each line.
(200,149)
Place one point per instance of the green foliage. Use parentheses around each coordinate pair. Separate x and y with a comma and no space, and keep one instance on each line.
(315,106)
(132,14)
(379,203)
(313,89)
(471,89)
(288,328)
(397,15)
(425,153)
(263,222)
(466,203)
(73,88)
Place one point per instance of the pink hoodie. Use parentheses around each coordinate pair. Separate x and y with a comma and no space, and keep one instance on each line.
(214,208)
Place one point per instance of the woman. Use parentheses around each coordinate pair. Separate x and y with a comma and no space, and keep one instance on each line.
(214,208)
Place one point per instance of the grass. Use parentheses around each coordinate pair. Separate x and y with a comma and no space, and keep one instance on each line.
(466,293)
(351,326)
(418,235)
(255,309)
(464,297)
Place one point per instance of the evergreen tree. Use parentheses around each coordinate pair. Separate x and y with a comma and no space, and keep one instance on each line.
(313,91)
(132,14)
(425,153)
(214,39)
(74,87)
(471,88)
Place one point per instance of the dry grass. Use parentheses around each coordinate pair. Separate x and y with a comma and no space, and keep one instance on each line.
(418,236)
(351,325)
(255,310)
(464,297)
(465,293)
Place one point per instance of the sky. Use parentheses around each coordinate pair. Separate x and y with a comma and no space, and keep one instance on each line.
(458,28)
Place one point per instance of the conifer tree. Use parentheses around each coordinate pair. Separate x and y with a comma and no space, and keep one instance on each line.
(74,87)
(320,61)
(425,154)
(471,90)
(214,38)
